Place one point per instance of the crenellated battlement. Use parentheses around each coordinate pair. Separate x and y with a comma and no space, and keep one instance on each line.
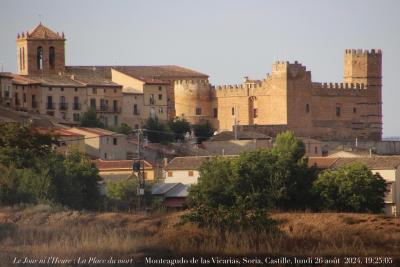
(348,86)
(340,89)
(193,81)
(363,52)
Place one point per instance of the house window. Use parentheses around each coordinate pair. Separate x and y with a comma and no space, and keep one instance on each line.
(105,155)
(76,89)
(338,111)
(190,173)
(62,89)
(52,58)
(135,109)
(152,113)
(115,106)
(160,110)
(136,126)
(198,111)
(354,110)
(389,192)
(76,117)
(170,174)
(115,120)
(50,88)
(215,112)
(152,100)
(94,90)
(233,111)
(307,108)
(93,103)
(159,88)
(160,97)
(24,97)
(255,113)
(316,150)
(115,141)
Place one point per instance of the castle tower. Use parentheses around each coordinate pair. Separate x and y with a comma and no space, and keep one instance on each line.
(363,67)
(40,51)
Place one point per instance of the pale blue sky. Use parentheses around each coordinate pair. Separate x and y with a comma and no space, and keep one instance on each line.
(225,39)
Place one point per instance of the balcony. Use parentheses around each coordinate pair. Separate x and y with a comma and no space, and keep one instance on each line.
(50,106)
(63,106)
(77,106)
(107,109)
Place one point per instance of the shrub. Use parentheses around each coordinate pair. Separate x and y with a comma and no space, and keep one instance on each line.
(203,131)
(122,194)
(351,188)
(179,126)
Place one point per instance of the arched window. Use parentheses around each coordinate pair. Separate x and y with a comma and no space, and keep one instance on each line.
(23,57)
(52,57)
(39,58)
(20,58)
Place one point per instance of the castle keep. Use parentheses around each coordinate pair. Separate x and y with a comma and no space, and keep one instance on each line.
(286,99)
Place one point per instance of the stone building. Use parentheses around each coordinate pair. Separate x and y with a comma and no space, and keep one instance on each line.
(119,94)
(286,99)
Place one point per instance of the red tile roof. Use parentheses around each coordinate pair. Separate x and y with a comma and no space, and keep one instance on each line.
(97,131)
(321,162)
(189,163)
(42,32)
(58,132)
(104,165)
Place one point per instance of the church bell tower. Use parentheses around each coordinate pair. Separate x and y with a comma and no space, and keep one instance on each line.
(40,52)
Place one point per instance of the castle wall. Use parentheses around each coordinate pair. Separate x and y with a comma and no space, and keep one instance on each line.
(289,98)
(193,100)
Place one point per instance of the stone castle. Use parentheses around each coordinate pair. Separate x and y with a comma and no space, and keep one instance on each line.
(287,99)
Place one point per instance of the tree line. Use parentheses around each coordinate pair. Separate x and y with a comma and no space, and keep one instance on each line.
(157,131)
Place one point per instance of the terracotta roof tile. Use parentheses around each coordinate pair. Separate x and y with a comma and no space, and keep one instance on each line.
(42,32)
(161,72)
(321,162)
(104,165)
(189,163)
(376,162)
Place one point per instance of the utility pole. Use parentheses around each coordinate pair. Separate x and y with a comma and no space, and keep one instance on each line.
(138,166)
(235,111)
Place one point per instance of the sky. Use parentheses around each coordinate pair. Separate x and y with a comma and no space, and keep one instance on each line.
(226,39)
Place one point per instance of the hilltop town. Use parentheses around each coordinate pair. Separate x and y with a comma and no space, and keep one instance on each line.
(338,123)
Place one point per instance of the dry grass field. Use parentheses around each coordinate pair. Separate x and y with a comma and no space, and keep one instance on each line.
(41,232)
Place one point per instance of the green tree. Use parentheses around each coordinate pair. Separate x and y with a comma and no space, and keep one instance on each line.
(20,145)
(217,203)
(287,145)
(158,132)
(180,127)
(203,131)
(124,129)
(90,119)
(122,194)
(82,182)
(351,188)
